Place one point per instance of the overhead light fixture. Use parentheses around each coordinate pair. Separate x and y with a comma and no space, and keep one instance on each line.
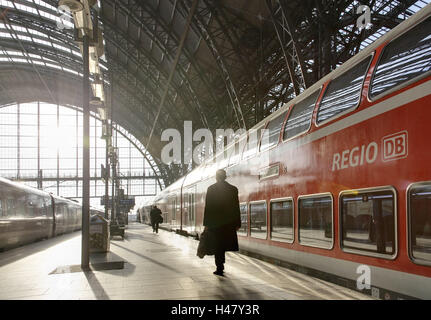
(94,60)
(73,5)
(99,44)
(103,112)
(97,87)
(105,130)
(96,102)
(82,19)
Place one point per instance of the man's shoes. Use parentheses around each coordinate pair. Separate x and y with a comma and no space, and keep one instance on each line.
(218,272)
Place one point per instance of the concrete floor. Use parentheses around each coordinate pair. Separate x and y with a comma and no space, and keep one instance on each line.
(157,266)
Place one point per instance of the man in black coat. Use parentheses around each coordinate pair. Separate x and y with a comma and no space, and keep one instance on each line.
(155,216)
(222,218)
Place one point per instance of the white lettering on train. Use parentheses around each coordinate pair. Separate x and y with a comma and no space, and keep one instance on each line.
(351,158)
(394,147)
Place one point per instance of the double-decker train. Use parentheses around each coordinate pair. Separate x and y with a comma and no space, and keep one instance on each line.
(28,214)
(341,187)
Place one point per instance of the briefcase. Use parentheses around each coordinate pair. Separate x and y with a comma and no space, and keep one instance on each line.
(207,244)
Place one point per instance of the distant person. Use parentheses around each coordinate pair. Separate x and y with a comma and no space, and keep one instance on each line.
(156,218)
(222,218)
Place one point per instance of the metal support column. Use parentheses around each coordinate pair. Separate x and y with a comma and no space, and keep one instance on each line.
(85,253)
(106,177)
(114,169)
(39,172)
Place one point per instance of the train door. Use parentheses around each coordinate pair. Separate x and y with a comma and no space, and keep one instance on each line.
(185,210)
(3,220)
(173,211)
(191,209)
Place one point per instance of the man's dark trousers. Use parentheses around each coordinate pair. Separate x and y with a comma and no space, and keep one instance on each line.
(156,227)
(220,259)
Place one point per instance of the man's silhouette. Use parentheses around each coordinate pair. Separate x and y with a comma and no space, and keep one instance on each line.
(222,218)
(155,217)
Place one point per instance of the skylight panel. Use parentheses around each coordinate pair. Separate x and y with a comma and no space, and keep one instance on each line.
(71,71)
(417,6)
(61,47)
(5,3)
(19,60)
(44,4)
(5,35)
(14,53)
(42,42)
(49,60)
(374,37)
(55,66)
(37,33)
(38,62)
(24,38)
(19,28)
(25,8)
(35,56)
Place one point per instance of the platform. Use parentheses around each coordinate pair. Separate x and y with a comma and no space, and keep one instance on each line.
(156,267)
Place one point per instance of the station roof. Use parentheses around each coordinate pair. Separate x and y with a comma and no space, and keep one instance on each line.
(228,65)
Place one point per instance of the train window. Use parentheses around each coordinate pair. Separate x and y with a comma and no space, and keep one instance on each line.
(31,205)
(243,231)
(299,120)
(46,207)
(223,158)
(282,220)
(11,207)
(367,221)
(403,59)
(343,93)
(271,136)
(258,225)
(252,142)
(233,160)
(315,220)
(1,208)
(419,213)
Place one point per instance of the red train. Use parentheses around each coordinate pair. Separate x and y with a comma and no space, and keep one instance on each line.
(346,194)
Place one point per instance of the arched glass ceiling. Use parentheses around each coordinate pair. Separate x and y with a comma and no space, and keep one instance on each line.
(29,37)
(55,45)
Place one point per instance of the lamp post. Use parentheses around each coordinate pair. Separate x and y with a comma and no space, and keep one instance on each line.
(85,258)
(84,27)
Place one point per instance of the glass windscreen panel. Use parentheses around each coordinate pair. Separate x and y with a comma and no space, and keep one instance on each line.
(420,222)
(258,224)
(282,220)
(272,133)
(405,58)
(243,231)
(368,221)
(343,93)
(315,221)
(299,120)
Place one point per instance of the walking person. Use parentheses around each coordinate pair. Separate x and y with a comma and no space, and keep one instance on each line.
(156,218)
(222,218)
